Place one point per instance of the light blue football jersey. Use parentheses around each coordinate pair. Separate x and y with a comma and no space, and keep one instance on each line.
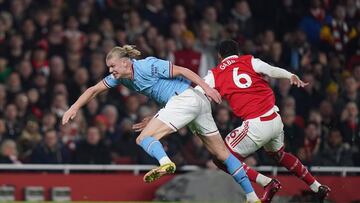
(153,78)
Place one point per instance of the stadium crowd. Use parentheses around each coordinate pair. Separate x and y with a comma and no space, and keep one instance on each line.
(52,50)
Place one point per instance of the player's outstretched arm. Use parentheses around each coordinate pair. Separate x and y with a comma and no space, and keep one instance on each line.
(295,80)
(275,72)
(212,93)
(88,95)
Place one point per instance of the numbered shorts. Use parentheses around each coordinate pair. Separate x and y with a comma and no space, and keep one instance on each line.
(265,131)
(191,108)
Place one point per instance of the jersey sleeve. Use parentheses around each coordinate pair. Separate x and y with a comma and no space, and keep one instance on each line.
(163,68)
(110,81)
(260,66)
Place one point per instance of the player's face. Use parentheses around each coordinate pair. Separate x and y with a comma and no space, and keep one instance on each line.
(119,67)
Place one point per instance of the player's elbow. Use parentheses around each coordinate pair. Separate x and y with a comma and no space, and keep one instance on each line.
(178,70)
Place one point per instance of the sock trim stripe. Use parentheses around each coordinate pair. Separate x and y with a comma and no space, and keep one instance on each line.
(153,142)
(237,171)
(294,165)
(282,156)
(304,172)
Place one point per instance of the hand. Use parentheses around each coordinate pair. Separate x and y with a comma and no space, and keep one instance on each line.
(213,94)
(295,80)
(69,115)
(138,127)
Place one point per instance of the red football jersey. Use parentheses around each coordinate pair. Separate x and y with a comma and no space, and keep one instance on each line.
(248,94)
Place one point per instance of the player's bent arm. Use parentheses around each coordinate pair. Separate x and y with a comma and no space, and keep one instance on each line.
(178,70)
(89,94)
(209,79)
(272,71)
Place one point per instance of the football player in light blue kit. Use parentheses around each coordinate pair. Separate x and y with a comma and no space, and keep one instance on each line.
(169,85)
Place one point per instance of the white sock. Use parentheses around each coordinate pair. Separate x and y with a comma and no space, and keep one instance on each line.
(262,180)
(164,160)
(252,197)
(315,186)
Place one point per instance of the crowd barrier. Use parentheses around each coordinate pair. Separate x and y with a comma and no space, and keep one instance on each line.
(124,182)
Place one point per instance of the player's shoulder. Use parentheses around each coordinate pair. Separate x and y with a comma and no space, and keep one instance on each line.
(147,59)
(245,57)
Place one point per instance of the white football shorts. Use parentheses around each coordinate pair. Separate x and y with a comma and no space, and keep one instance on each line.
(191,108)
(264,131)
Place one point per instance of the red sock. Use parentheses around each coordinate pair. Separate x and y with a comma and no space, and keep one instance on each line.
(295,166)
(251,173)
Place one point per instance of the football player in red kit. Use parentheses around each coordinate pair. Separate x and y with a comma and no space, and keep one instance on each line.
(239,80)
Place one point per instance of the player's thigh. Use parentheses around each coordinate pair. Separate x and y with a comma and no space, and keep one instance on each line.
(239,141)
(216,146)
(180,110)
(276,143)
(204,123)
(155,128)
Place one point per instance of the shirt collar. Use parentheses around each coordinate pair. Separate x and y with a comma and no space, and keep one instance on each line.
(229,57)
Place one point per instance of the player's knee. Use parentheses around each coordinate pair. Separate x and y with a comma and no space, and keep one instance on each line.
(221,155)
(277,155)
(139,139)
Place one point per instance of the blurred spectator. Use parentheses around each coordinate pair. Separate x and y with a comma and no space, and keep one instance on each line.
(335,153)
(22,105)
(338,32)
(156,14)
(13,126)
(223,120)
(9,153)
(3,98)
(134,26)
(351,91)
(293,134)
(350,126)
(194,152)
(57,70)
(92,150)
(311,23)
(210,18)
(242,15)
(29,139)
(48,122)
(26,72)
(59,105)
(50,151)
(2,130)
(13,84)
(125,149)
(311,145)
(308,96)
(112,123)
(207,47)
(5,70)
(16,51)
(187,56)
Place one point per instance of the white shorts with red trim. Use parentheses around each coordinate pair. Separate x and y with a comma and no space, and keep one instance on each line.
(264,131)
(191,108)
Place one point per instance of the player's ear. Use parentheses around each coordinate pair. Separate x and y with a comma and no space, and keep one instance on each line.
(219,57)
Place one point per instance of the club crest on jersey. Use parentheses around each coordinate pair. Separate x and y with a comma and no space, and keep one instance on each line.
(226,64)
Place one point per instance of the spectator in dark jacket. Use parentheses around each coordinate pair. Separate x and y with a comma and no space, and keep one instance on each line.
(92,149)
(50,151)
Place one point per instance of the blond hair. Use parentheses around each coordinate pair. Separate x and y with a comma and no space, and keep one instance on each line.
(124,51)
(8,143)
